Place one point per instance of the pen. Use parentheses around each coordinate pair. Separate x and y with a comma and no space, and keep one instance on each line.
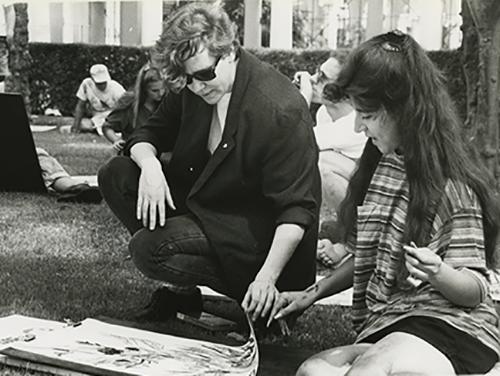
(285,330)
(412,280)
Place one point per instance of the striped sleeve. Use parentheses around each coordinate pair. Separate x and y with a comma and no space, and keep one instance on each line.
(459,235)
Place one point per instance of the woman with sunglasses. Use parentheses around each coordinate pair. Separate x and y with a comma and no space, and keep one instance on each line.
(237,207)
(421,221)
(134,108)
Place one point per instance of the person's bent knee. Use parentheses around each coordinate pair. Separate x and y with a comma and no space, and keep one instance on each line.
(113,167)
(366,368)
(142,250)
(117,172)
(317,366)
(311,367)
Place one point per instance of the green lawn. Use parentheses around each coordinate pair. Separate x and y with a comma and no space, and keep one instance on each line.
(62,261)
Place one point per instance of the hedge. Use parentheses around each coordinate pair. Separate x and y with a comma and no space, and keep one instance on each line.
(59,68)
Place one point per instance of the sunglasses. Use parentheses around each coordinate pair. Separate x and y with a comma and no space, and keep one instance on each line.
(206,74)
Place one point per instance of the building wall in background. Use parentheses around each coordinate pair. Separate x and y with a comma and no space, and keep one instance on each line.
(325,23)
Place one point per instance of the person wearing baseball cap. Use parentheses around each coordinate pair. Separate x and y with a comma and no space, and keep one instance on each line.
(97,95)
(99,74)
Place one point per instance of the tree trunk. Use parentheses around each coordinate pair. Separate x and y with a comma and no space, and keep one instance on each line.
(481,62)
(19,59)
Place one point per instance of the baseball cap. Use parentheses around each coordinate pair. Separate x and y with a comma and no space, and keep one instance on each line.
(99,73)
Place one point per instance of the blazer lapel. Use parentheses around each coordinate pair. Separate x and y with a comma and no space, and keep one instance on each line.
(195,126)
(243,73)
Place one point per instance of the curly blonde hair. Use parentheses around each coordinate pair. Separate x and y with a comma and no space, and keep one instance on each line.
(189,30)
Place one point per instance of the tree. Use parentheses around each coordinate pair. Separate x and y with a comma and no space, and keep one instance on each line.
(19,59)
(481,62)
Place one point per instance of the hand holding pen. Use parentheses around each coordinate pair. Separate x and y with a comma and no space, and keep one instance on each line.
(422,263)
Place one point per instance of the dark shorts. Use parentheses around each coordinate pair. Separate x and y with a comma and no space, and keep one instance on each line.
(467,354)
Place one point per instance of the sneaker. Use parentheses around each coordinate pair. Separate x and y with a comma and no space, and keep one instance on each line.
(165,304)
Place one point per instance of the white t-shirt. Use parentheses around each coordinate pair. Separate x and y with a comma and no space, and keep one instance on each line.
(100,101)
(338,135)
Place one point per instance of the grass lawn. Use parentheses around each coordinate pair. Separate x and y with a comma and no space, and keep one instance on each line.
(62,261)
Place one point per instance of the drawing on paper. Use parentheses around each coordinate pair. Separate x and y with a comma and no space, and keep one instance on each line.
(130,351)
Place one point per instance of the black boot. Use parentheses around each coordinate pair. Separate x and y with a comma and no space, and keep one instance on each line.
(165,304)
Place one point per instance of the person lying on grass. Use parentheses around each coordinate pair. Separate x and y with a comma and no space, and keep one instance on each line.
(68,188)
(421,221)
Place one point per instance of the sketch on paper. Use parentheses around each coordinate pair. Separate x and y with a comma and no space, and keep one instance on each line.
(95,346)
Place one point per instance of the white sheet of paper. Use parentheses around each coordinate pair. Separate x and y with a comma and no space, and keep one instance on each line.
(16,327)
(137,352)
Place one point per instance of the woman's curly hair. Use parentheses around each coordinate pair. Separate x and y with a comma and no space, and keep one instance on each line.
(189,30)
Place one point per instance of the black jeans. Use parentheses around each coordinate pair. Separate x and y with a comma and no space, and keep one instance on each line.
(178,253)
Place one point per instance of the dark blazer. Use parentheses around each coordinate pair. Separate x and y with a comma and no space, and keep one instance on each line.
(263,173)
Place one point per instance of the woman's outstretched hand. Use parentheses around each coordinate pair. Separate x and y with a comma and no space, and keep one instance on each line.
(152,195)
(289,302)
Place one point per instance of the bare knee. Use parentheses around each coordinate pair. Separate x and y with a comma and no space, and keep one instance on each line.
(312,367)
(367,367)
(317,366)
(395,354)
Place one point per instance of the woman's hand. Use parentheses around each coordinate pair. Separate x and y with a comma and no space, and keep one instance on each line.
(303,80)
(118,145)
(290,302)
(152,194)
(422,263)
(260,298)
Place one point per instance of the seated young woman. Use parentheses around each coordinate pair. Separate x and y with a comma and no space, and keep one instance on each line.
(421,221)
(134,107)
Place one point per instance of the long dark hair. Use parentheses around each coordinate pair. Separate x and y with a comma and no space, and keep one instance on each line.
(392,72)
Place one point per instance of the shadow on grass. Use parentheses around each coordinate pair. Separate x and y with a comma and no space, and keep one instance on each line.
(68,261)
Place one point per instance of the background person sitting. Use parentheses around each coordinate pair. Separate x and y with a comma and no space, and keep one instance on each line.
(134,108)
(340,147)
(97,96)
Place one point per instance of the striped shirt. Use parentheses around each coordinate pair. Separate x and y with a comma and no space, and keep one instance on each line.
(381,293)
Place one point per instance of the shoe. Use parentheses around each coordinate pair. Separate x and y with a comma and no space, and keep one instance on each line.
(165,304)
(81,193)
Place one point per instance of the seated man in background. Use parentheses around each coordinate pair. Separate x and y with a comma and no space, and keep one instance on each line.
(58,180)
(340,146)
(97,96)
